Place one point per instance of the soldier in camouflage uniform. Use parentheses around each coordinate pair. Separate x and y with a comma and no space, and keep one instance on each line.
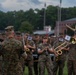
(44,50)
(30,49)
(11,50)
(59,61)
(71,64)
(19,36)
(1,59)
(35,54)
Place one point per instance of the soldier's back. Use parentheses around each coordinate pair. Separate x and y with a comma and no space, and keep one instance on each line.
(11,53)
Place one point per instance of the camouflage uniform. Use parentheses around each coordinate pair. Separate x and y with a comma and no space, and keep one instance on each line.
(1,63)
(11,52)
(35,57)
(1,59)
(19,37)
(45,60)
(59,62)
(72,60)
(29,59)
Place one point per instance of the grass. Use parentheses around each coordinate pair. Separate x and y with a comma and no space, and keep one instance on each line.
(65,69)
(64,73)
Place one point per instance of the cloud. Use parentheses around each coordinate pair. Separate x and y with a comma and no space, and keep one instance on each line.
(1,8)
(11,5)
(69,3)
(35,1)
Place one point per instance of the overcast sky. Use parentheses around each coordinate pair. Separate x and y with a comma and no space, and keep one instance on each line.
(11,5)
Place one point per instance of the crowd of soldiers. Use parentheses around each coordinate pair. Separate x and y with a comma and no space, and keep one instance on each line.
(35,51)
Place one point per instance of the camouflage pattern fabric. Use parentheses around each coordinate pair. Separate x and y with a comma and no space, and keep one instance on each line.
(1,64)
(59,61)
(29,59)
(71,64)
(58,66)
(45,61)
(22,61)
(72,52)
(11,51)
(35,58)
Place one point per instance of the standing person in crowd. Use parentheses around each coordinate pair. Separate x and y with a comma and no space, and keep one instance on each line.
(12,50)
(71,63)
(1,58)
(35,53)
(30,49)
(44,50)
(19,36)
(51,41)
(59,61)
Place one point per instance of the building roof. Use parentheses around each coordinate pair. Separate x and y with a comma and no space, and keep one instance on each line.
(43,32)
(73,19)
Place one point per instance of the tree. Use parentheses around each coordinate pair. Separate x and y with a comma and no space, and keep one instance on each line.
(26,27)
(35,17)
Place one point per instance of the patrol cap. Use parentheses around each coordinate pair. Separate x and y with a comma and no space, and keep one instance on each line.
(45,37)
(9,28)
(18,33)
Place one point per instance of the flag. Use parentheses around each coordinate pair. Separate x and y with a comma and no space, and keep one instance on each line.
(67,37)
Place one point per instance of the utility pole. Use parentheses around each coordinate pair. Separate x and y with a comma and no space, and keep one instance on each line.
(44,15)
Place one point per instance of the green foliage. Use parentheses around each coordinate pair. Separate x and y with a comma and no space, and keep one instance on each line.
(26,27)
(51,15)
(35,17)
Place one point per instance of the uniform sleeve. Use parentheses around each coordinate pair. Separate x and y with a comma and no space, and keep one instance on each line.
(50,46)
(32,43)
(22,51)
(1,49)
(20,48)
(39,47)
(19,45)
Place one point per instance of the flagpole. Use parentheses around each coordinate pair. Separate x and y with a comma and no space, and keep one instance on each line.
(60,9)
(58,23)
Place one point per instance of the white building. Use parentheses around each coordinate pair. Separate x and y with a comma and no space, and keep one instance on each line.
(47,28)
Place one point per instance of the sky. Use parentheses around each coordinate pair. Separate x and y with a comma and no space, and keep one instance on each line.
(11,5)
